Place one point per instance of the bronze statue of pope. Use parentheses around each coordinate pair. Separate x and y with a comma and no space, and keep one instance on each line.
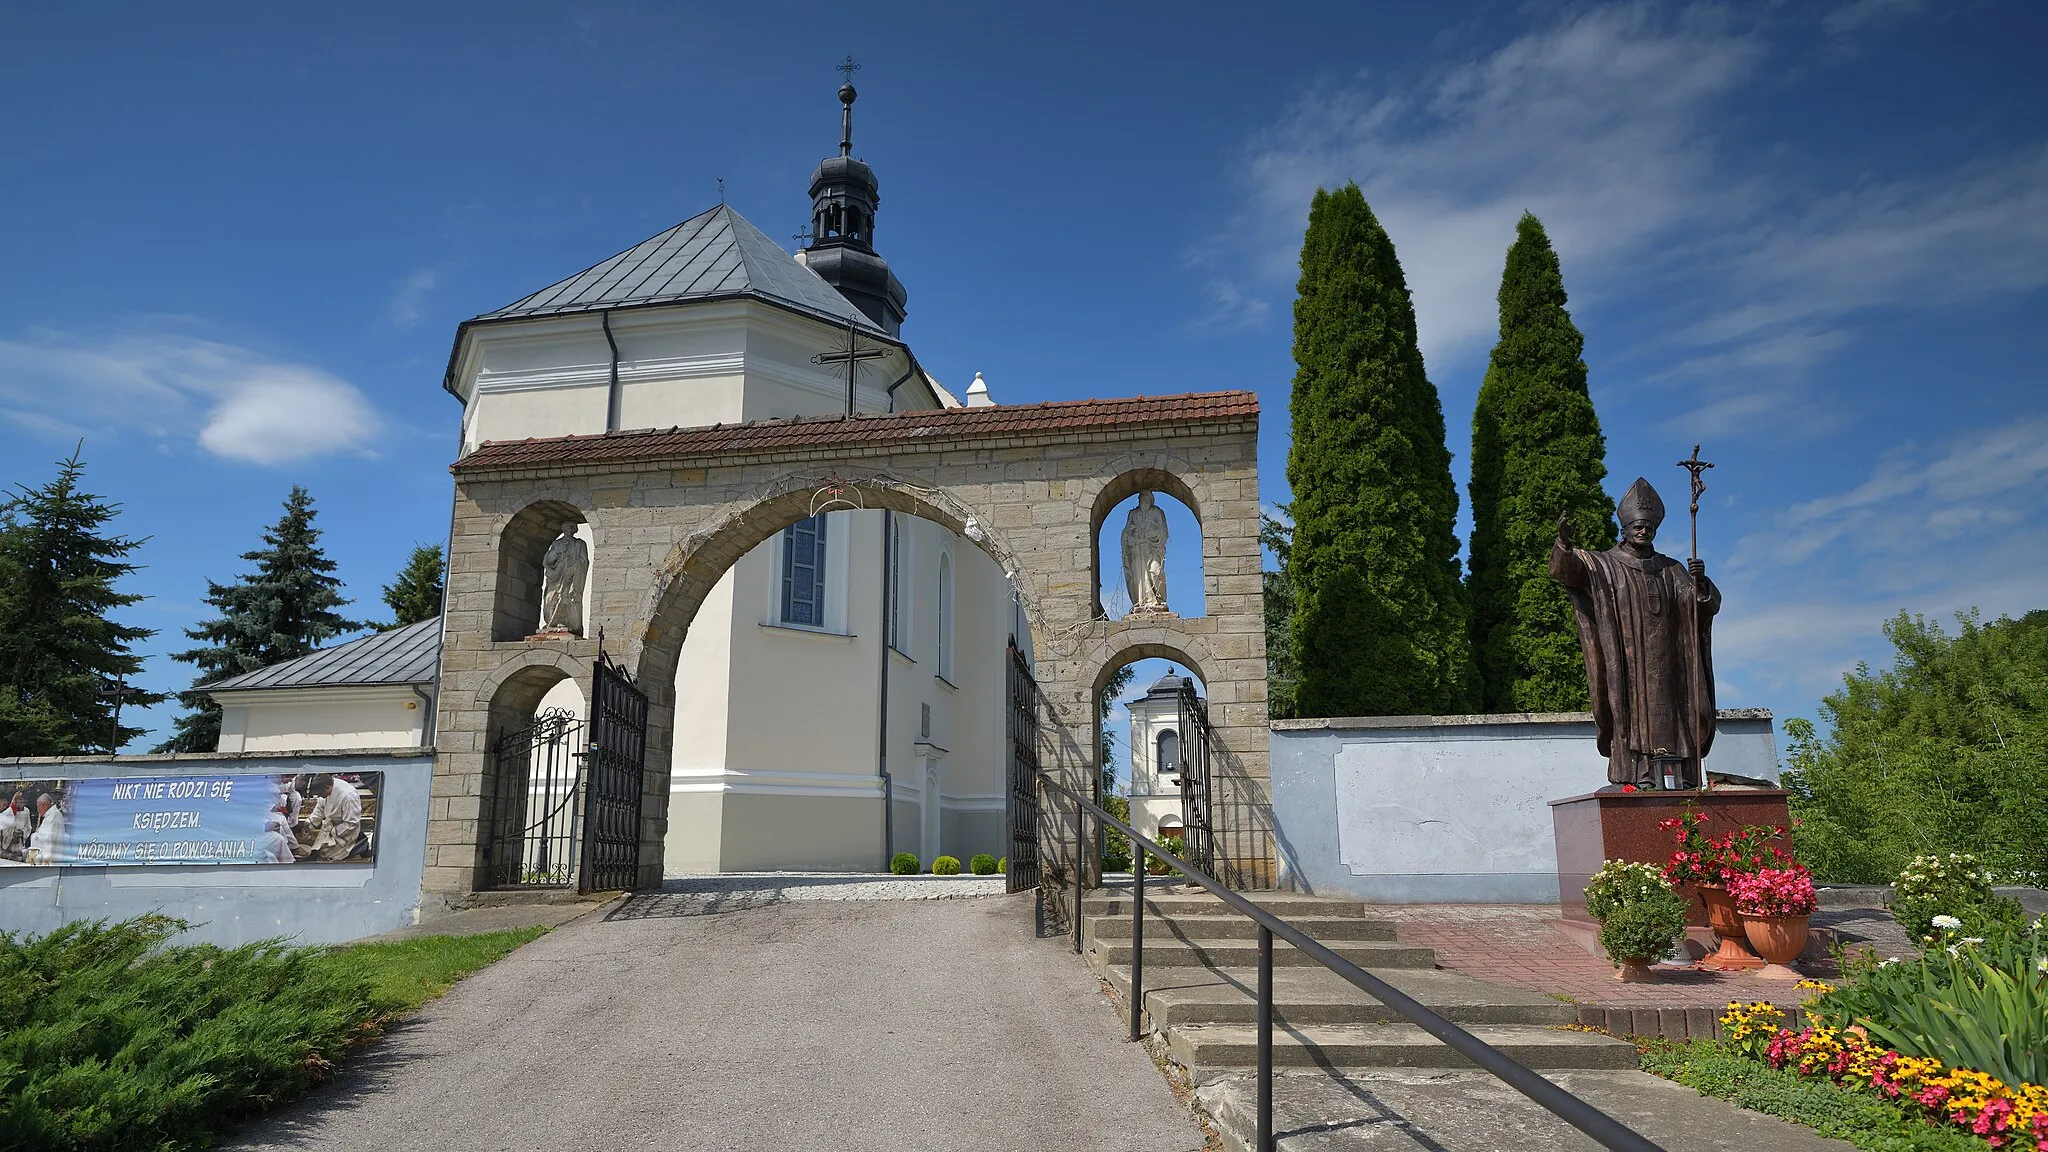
(1645,626)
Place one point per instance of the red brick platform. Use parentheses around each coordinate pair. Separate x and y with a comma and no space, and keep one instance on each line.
(1518,945)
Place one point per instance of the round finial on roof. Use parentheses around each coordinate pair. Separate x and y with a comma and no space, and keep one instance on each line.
(846,94)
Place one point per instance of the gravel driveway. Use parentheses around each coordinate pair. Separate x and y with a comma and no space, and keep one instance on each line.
(700,1018)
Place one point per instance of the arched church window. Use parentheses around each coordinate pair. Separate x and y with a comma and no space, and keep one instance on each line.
(945,628)
(803,573)
(1168,761)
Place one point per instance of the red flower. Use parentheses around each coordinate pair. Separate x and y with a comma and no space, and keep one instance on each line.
(1628,787)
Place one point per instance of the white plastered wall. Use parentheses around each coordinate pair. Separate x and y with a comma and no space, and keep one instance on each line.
(323,718)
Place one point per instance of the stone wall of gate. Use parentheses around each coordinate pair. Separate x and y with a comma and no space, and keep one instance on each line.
(667,523)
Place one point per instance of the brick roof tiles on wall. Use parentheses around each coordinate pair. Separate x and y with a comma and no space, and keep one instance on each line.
(1053,418)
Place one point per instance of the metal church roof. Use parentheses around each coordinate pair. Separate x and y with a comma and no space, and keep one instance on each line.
(713,255)
(408,655)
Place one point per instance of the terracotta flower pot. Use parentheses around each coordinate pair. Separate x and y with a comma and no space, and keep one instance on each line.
(1779,940)
(1635,972)
(1733,954)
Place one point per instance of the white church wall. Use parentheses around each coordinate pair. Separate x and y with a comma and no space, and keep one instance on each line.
(302,719)
(1451,809)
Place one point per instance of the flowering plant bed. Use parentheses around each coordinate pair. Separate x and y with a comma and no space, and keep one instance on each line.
(1784,891)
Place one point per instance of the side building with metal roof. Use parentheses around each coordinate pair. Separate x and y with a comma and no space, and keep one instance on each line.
(373,692)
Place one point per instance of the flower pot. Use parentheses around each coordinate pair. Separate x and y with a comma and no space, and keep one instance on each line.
(1635,972)
(1779,940)
(1733,955)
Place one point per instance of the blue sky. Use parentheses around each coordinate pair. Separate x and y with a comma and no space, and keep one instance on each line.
(1813,238)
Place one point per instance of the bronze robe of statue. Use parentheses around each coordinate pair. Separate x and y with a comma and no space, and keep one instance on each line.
(1645,627)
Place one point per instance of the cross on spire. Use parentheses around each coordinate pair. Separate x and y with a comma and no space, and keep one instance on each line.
(846,95)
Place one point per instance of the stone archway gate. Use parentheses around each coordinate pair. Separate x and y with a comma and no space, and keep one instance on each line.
(671,510)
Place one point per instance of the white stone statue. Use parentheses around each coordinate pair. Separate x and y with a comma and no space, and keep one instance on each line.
(1144,543)
(562,572)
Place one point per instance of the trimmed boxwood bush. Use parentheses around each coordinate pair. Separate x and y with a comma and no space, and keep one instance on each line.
(1645,928)
(1003,865)
(982,864)
(903,864)
(946,866)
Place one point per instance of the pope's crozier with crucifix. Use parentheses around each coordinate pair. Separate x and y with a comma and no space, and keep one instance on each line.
(1645,625)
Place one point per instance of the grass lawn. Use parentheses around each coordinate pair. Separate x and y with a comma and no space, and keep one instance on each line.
(1864,1119)
(113,1038)
(404,974)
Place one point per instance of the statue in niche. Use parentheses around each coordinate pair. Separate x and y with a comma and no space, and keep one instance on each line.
(1645,626)
(563,569)
(1144,547)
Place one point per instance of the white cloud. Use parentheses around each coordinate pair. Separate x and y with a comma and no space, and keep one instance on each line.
(1608,124)
(236,403)
(1860,14)
(411,294)
(1598,123)
(1933,531)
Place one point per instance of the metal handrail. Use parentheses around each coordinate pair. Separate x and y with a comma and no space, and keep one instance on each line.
(1611,1133)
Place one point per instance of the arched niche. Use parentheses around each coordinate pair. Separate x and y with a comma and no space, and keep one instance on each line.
(1142,721)
(522,544)
(1102,521)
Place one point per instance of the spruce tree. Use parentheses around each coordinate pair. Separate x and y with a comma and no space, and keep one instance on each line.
(281,611)
(1380,623)
(415,594)
(1537,452)
(61,658)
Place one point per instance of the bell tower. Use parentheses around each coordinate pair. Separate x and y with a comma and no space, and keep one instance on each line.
(844,196)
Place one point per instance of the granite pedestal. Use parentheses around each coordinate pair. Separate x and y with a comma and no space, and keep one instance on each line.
(1603,826)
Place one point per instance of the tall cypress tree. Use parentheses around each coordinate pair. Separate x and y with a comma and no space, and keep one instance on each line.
(1537,452)
(282,611)
(415,593)
(61,658)
(1380,623)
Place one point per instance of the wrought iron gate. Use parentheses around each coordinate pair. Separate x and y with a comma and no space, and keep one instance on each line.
(1023,773)
(616,766)
(565,807)
(534,826)
(1197,808)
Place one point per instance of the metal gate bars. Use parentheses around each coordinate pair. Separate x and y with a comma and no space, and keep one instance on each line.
(1022,731)
(566,807)
(617,780)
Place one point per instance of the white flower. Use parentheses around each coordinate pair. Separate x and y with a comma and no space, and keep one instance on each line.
(1891,960)
(1946,922)
(1973,940)
(1954,951)
(2041,965)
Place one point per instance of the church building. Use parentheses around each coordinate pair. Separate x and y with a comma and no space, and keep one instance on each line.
(841,693)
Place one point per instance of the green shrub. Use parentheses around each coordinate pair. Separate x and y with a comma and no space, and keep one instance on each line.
(1621,882)
(114,1039)
(1956,884)
(1116,847)
(1863,1118)
(1644,929)
(1003,866)
(903,864)
(1968,1002)
(982,864)
(946,866)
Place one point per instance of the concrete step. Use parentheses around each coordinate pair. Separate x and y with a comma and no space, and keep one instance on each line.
(1191,927)
(1178,900)
(1211,1051)
(1172,953)
(1187,996)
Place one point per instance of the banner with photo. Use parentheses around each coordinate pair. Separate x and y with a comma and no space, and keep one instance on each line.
(224,818)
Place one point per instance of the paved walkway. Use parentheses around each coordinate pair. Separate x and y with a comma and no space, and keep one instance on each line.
(733,1018)
(1516,944)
